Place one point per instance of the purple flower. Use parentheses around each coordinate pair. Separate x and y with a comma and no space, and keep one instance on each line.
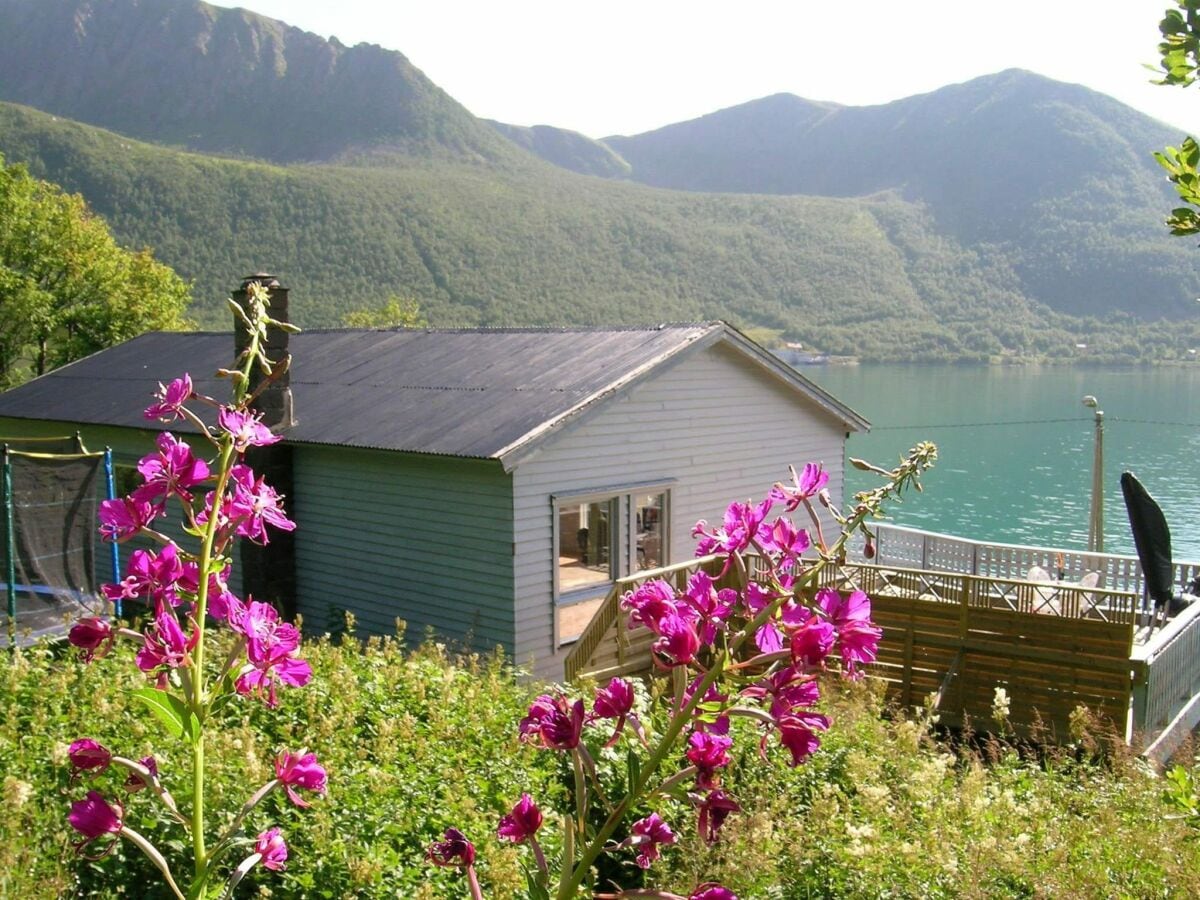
(742,521)
(858,642)
(261,681)
(615,702)
(150,575)
(87,754)
(648,835)
(522,823)
(713,810)
(455,850)
(677,643)
(89,634)
(553,723)
(711,606)
(807,484)
(840,610)
(797,732)
(246,429)
(164,646)
(273,850)
(706,720)
(271,647)
(711,890)
(136,782)
(169,473)
(123,518)
(812,642)
(254,504)
(785,539)
(650,603)
(708,752)
(171,399)
(295,771)
(94,817)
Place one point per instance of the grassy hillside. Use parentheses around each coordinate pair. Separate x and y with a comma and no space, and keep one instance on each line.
(478,246)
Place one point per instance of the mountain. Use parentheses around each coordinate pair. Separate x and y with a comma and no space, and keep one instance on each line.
(363,179)
(230,81)
(1057,177)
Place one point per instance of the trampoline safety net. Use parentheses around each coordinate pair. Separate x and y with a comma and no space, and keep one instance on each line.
(50,504)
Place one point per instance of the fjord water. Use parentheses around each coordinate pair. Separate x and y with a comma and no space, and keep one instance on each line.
(1015,447)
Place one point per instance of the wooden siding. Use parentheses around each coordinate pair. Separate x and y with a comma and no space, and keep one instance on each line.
(387,535)
(713,422)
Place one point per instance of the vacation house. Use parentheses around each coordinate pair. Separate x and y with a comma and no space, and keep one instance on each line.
(485,484)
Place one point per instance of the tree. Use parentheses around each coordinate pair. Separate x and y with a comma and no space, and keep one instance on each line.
(398,312)
(66,288)
(1180,61)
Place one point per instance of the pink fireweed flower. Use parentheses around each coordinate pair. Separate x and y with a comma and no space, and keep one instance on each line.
(93,818)
(296,771)
(246,429)
(810,482)
(783,538)
(615,702)
(223,604)
(648,835)
(708,752)
(271,847)
(254,504)
(651,602)
(165,646)
(91,635)
(742,521)
(677,642)
(150,575)
(711,606)
(812,641)
(858,642)
(522,823)
(170,472)
(171,399)
(856,607)
(271,647)
(455,850)
(712,890)
(707,720)
(262,680)
(136,782)
(797,732)
(121,519)
(553,723)
(712,812)
(87,754)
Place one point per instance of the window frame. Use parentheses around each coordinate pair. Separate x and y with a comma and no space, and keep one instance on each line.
(622,542)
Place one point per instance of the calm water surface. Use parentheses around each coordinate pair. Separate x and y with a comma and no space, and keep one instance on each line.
(1015,447)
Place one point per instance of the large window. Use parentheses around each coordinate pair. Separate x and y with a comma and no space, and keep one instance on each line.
(600,537)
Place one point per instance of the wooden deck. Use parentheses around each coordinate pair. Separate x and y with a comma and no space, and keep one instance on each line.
(1052,646)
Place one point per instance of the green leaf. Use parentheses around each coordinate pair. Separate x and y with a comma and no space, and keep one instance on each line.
(172,712)
(633,769)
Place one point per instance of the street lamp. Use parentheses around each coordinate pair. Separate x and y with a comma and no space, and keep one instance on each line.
(1096,518)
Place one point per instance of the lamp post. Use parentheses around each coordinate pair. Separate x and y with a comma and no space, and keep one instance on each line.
(1096,518)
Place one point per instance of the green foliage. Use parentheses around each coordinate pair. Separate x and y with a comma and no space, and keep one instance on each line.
(66,288)
(418,741)
(1179,55)
(398,312)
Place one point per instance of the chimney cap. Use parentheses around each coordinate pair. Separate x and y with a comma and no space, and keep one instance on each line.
(266,279)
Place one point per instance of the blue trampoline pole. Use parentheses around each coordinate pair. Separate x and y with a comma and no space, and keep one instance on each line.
(115,553)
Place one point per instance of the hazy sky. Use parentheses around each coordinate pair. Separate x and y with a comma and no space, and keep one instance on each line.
(621,67)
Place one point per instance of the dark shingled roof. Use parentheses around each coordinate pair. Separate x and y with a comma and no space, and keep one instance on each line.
(481,393)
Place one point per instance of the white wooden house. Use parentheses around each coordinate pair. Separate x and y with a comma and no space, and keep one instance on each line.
(488,484)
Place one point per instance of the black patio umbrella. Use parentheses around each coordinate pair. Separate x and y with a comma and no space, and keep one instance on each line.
(1152,538)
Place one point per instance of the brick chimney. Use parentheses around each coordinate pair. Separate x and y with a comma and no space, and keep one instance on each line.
(269,572)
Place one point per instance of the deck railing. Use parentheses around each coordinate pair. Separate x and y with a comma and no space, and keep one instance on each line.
(1166,699)
(897,545)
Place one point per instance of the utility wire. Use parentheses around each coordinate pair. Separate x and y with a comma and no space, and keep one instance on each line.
(1076,419)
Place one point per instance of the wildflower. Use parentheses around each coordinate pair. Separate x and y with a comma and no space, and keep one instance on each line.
(859,643)
(706,719)
(150,575)
(171,399)
(123,518)
(273,850)
(271,647)
(785,539)
(812,642)
(93,818)
(164,646)
(615,702)
(300,771)
(742,521)
(711,890)
(650,603)
(714,809)
(169,473)
(712,606)
(708,752)
(797,732)
(89,634)
(455,850)
(135,782)
(677,642)
(522,823)
(246,429)
(87,754)
(648,835)
(810,482)
(254,504)
(552,723)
